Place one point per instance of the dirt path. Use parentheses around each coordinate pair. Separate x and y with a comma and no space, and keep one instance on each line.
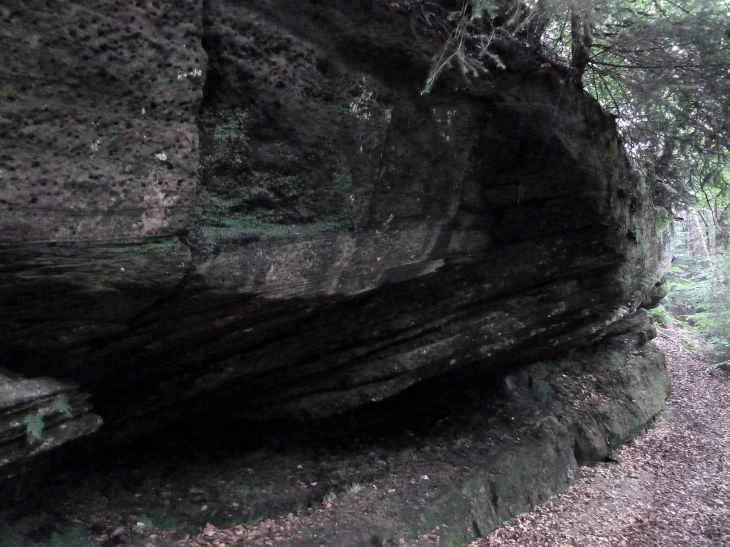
(671,487)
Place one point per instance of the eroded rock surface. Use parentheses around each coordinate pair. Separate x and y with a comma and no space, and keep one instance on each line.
(336,237)
(37,415)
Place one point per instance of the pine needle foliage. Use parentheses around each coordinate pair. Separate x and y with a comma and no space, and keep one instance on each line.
(660,66)
(472,31)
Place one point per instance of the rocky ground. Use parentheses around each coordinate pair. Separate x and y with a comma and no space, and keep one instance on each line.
(670,488)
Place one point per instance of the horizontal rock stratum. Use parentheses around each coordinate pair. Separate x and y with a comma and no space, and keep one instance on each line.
(252,208)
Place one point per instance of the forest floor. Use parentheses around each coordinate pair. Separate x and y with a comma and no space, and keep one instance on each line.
(306,490)
(670,488)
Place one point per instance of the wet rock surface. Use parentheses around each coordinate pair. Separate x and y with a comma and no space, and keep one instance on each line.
(219,210)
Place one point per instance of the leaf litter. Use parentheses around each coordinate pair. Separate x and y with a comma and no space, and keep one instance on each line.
(669,487)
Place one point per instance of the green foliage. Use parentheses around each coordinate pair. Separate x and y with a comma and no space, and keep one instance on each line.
(343,178)
(224,138)
(147,521)
(157,519)
(659,66)
(61,406)
(662,317)
(699,288)
(229,125)
(355,488)
(234,199)
(470,35)
(34,425)
(680,285)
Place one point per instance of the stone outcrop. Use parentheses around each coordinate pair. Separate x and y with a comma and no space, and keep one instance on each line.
(251,209)
(37,415)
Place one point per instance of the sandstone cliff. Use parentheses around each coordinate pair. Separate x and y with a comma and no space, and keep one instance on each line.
(250,208)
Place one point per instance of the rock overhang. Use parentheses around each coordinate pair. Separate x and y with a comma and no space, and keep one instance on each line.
(319,234)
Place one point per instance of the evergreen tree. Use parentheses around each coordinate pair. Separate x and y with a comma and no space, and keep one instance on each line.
(660,66)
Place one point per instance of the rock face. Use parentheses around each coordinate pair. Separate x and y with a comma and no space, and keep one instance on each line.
(38,415)
(251,208)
